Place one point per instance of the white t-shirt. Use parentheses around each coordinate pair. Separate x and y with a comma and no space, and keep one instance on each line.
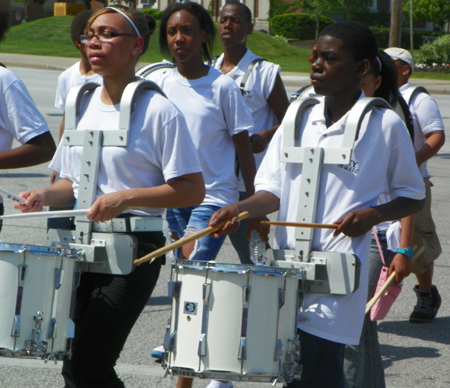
(159,149)
(426,119)
(381,155)
(19,117)
(70,78)
(258,87)
(215,111)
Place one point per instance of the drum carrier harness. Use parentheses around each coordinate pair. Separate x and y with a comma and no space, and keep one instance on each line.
(103,247)
(321,272)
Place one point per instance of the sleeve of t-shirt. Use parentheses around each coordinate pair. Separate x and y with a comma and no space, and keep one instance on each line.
(404,176)
(268,72)
(61,93)
(177,151)
(268,176)
(427,113)
(23,120)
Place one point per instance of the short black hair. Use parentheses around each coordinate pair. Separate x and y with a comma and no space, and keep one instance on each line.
(204,20)
(79,23)
(247,12)
(5,18)
(356,38)
(385,67)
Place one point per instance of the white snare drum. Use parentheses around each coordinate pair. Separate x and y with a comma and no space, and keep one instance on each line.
(233,322)
(155,69)
(36,288)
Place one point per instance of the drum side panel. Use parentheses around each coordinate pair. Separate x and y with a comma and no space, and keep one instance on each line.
(263,325)
(37,296)
(9,276)
(61,306)
(188,324)
(224,322)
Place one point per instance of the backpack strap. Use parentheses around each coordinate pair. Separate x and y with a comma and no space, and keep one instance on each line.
(212,61)
(407,116)
(411,92)
(248,72)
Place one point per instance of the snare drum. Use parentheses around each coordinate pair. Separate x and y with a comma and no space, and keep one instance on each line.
(154,70)
(233,322)
(36,290)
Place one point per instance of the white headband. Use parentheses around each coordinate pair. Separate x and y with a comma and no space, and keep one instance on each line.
(126,17)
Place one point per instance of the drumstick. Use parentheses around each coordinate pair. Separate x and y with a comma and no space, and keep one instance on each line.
(388,283)
(300,224)
(179,243)
(51,214)
(12,196)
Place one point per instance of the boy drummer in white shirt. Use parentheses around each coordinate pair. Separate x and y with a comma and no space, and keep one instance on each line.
(347,194)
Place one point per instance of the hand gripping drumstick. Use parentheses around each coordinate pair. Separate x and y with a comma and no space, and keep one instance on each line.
(179,243)
(388,283)
(300,224)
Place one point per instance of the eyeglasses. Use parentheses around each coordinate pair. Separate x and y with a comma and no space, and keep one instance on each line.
(103,37)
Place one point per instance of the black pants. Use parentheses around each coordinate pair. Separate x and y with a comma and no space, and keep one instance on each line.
(107,306)
(323,363)
(2,211)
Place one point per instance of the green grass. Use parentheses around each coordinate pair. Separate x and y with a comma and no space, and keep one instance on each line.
(51,36)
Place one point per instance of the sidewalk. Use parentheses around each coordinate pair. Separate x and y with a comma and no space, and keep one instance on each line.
(290,79)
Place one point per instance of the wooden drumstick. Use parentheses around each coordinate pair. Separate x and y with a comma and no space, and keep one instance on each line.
(300,224)
(179,243)
(388,283)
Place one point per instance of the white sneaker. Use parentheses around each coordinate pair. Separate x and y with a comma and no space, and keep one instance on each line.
(158,353)
(220,384)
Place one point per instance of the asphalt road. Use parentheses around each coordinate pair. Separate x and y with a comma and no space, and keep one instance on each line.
(413,355)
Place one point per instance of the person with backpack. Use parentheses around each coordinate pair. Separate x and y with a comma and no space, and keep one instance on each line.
(429,137)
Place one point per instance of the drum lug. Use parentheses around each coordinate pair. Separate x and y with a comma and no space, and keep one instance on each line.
(279,350)
(242,354)
(52,328)
(174,290)
(301,288)
(58,278)
(202,346)
(202,340)
(20,283)
(16,326)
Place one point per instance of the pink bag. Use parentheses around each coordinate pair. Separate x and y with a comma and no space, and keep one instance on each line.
(382,306)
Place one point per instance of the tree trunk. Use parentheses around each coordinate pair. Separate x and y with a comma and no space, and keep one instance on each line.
(395,35)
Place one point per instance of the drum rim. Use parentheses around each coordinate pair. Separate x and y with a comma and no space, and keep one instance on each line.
(214,266)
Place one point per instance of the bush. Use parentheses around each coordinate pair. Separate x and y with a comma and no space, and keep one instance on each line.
(297,25)
(153,12)
(379,19)
(437,52)
(278,7)
(382,35)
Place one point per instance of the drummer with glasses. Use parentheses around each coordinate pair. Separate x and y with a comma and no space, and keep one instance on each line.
(159,168)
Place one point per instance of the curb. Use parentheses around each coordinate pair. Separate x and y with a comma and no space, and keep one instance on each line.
(290,79)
